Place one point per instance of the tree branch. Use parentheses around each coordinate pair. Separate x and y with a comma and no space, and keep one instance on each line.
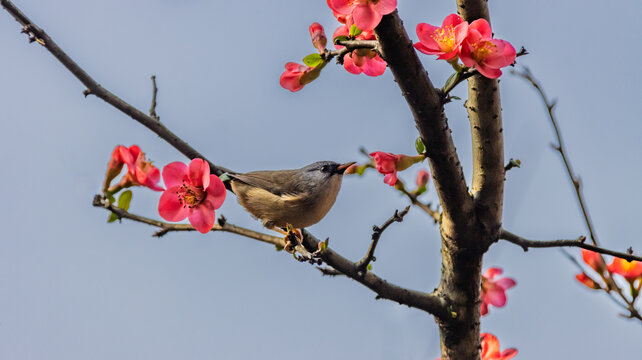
(429,302)
(362,264)
(37,34)
(575,180)
(152,110)
(579,242)
(427,109)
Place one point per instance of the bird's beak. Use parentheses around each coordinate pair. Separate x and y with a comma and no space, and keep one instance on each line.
(341,168)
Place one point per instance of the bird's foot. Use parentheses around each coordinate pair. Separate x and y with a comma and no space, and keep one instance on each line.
(293,238)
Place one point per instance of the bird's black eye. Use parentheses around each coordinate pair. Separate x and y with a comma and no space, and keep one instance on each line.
(325,168)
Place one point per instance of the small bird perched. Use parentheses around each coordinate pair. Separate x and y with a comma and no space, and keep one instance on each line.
(294,198)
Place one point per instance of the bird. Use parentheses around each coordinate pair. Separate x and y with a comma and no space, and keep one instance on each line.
(285,199)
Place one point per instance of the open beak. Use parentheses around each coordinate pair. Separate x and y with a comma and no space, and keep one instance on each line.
(342,168)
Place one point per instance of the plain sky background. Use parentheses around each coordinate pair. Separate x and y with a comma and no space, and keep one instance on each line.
(74,287)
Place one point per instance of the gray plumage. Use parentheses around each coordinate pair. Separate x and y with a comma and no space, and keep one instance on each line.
(299,197)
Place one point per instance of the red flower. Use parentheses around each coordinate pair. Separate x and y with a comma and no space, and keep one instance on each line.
(140,171)
(318,37)
(631,270)
(490,349)
(494,292)
(193,193)
(366,13)
(444,41)
(296,76)
(594,260)
(119,156)
(388,164)
(586,280)
(359,61)
(422,178)
(486,54)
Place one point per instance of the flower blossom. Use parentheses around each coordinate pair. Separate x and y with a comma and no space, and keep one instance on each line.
(490,349)
(594,260)
(444,41)
(388,164)
(319,39)
(486,54)
(422,178)
(587,280)
(366,13)
(631,270)
(296,76)
(193,193)
(140,171)
(493,292)
(359,61)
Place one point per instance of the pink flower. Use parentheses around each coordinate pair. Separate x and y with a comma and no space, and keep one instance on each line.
(359,61)
(293,77)
(140,171)
(318,37)
(422,178)
(366,13)
(119,156)
(444,41)
(490,349)
(631,270)
(493,292)
(388,164)
(586,280)
(486,54)
(193,193)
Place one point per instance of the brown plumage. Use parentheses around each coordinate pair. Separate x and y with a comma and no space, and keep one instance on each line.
(299,197)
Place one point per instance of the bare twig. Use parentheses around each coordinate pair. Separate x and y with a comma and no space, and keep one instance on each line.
(575,180)
(434,214)
(579,242)
(152,110)
(349,46)
(362,264)
(93,88)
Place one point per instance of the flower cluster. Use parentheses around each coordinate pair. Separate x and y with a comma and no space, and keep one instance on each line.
(473,43)
(140,171)
(493,292)
(365,14)
(364,60)
(631,271)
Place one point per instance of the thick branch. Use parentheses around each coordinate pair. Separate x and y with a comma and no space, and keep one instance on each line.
(93,88)
(376,235)
(426,106)
(579,242)
(575,180)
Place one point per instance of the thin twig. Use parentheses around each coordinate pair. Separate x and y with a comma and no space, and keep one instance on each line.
(152,110)
(575,180)
(93,88)
(349,46)
(362,264)
(425,207)
(579,242)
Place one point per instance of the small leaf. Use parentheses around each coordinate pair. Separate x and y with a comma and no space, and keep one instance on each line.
(278,248)
(369,267)
(313,60)
(420,190)
(515,162)
(124,199)
(354,30)
(361,170)
(111,198)
(340,38)
(419,145)
(452,80)
(112,217)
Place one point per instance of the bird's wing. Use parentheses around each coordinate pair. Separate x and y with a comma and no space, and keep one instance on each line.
(278,184)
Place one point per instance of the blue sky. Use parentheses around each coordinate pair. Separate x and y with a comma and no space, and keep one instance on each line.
(74,287)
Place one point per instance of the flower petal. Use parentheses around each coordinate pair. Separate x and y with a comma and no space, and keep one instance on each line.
(374,67)
(170,208)
(174,174)
(350,66)
(203,217)
(341,6)
(216,192)
(365,16)
(490,346)
(199,173)
(508,354)
(483,27)
(492,272)
(506,283)
(385,7)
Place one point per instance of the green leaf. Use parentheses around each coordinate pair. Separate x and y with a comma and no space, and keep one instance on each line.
(340,38)
(278,248)
(313,60)
(452,80)
(124,199)
(361,170)
(419,145)
(111,198)
(354,30)
(369,267)
(420,190)
(112,217)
